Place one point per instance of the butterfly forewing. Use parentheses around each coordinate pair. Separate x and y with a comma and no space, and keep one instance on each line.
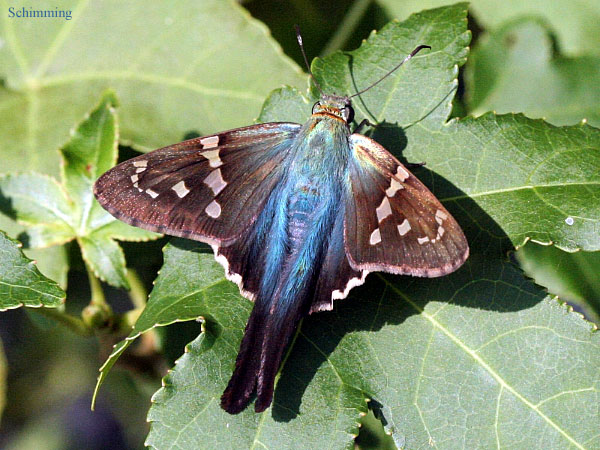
(210,188)
(393,223)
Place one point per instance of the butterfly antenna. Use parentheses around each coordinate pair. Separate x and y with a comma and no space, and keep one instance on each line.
(299,38)
(413,53)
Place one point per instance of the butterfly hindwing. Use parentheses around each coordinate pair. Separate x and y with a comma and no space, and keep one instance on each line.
(336,277)
(393,223)
(210,188)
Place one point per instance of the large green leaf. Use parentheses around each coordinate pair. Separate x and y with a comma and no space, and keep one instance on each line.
(177,67)
(56,213)
(517,68)
(510,177)
(476,359)
(514,70)
(21,283)
(577,22)
(472,360)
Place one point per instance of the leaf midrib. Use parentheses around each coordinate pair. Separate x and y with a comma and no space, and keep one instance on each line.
(60,38)
(518,188)
(29,288)
(35,81)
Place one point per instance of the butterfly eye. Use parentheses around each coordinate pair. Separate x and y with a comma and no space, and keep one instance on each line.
(348,113)
(315,106)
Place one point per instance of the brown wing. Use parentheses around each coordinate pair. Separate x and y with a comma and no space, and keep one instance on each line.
(210,188)
(393,223)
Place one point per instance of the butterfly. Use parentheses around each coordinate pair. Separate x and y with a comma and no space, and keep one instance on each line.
(298,215)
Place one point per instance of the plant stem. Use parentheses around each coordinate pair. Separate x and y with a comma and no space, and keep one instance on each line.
(347,26)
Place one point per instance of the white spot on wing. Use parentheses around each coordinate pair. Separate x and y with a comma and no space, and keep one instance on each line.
(352,283)
(210,142)
(404,227)
(213,157)
(213,209)
(375,237)
(423,240)
(569,221)
(401,173)
(142,163)
(134,178)
(440,216)
(384,210)
(180,189)
(215,181)
(140,169)
(151,193)
(440,232)
(395,186)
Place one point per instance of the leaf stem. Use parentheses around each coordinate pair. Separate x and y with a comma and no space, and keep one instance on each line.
(97,294)
(75,324)
(97,315)
(137,293)
(347,26)
(126,321)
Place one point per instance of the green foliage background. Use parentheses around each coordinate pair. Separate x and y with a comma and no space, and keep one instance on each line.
(482,358)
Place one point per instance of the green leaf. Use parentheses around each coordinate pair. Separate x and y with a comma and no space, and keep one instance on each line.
(577,24)
(203,66)
(476,359)
(21,283)
(106,258)
(35,199)
(514,70)
(57,213)
(91,151)
(179,298)
(482,346)
(571,276)
(53,262)
(419,92)
(517,178)
(191,285)
(488,171)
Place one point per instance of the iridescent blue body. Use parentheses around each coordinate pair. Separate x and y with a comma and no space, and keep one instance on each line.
(299,220)
(305,208)
(297,215)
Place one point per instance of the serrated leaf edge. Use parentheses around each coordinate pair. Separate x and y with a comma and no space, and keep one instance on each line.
(52,180)
(33,263)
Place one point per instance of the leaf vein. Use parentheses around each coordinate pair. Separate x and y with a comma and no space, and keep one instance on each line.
(478,359)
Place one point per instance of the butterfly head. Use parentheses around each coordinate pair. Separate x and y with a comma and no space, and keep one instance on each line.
(332,105)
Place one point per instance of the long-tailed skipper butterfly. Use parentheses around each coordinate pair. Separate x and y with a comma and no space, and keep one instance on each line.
(298,215)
